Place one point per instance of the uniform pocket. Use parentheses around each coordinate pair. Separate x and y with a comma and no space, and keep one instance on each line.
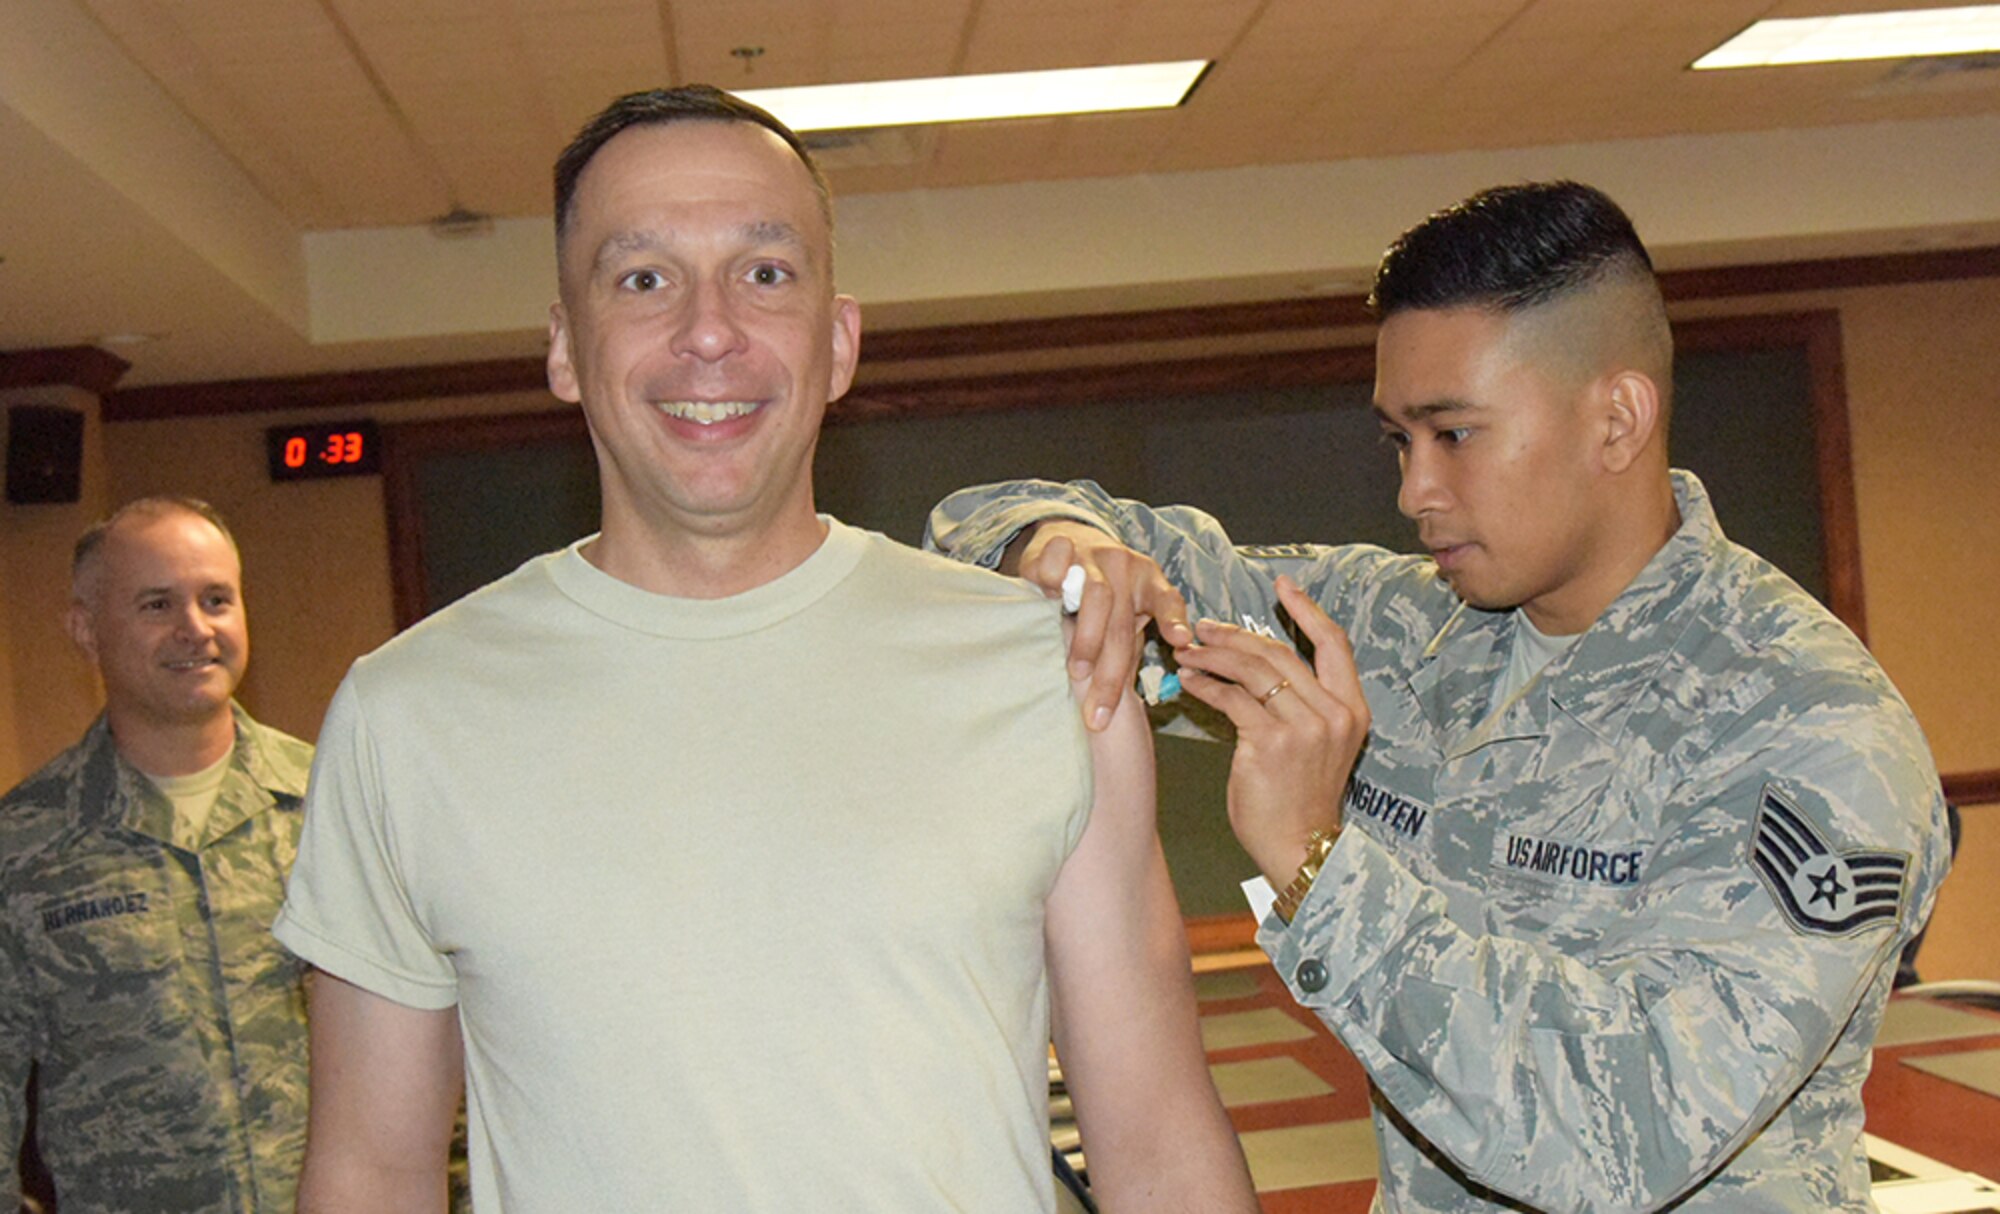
(110,962)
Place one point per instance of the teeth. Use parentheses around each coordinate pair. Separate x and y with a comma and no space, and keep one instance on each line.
(705,412)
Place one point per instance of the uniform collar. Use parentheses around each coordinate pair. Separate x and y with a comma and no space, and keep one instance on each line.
(116,794)
(1596,683)
(1454,678)
(256,753)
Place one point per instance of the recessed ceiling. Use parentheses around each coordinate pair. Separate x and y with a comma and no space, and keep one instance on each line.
(171,160)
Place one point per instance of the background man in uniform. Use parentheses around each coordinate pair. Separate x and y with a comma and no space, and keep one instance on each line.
(736,855)
(1640,828)
(140,871)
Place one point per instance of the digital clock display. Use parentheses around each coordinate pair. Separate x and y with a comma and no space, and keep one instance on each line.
(333,449)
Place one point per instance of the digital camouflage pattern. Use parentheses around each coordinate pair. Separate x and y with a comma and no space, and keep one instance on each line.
(1548,934)
(137,966)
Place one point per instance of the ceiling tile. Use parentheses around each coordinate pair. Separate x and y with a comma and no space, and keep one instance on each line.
(354,112)
(1009,41)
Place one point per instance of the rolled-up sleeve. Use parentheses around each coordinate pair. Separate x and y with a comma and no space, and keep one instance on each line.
(347,908)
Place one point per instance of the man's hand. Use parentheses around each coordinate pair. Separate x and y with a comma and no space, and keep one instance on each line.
(1298,728)
(1122,589)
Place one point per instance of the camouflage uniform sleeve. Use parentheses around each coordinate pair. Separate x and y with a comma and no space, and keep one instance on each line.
(1616,1074)
(19,1045)
(975,525)
(1220,579)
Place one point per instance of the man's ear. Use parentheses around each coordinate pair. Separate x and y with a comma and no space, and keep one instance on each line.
(562,365)
(81,629)
(846,346)
(1632,416)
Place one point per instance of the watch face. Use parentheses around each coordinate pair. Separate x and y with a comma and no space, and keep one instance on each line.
(328,449)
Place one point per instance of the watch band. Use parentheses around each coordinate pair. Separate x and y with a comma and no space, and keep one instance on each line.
(1319,845)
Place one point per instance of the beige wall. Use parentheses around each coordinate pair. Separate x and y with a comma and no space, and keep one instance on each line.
(48,693)
(1967,920)
(1924,398)
(1922,364)
(1923,374)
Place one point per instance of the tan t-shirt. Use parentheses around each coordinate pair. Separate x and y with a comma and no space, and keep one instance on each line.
(193,795)
(740,901)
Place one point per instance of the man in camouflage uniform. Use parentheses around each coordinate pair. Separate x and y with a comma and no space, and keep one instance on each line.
(139,874)
(1639,829)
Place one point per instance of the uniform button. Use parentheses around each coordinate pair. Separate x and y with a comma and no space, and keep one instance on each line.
(1311,976)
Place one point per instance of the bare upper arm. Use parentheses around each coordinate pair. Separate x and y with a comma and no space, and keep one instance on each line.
(1124,1008)
(1117,948)
(386,1081)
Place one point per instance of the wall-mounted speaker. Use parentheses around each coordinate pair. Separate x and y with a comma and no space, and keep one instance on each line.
(44,454)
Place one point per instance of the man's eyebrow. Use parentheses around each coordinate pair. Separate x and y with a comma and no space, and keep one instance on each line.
(1425,411)
(773,231)
(631,241)
(646,240)
(142,592)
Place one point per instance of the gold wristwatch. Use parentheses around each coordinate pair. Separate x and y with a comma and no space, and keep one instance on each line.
(1319,845)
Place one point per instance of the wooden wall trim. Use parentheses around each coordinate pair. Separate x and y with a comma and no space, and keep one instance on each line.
(1833,440)
(1342,311)
(1965,788)
(86,367)
(500,376)
(1117,328)
(1065,386)
(409,581)
(1832,273)
(342,390)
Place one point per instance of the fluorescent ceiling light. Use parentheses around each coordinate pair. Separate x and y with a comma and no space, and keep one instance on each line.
(1892,35)
(1083,90)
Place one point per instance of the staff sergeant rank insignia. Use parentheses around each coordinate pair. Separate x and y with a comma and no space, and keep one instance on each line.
(1822,891)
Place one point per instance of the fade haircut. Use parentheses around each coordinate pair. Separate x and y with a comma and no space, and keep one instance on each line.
(83,561)
(658,107)
(1508,249)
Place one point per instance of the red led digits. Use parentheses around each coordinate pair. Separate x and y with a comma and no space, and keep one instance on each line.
(335,449)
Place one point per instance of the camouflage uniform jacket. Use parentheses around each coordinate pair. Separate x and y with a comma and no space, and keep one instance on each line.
(138,968)
(1624,943)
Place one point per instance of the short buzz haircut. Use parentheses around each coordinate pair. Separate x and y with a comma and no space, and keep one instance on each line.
(1508,249)
(83,558)
(658,107)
